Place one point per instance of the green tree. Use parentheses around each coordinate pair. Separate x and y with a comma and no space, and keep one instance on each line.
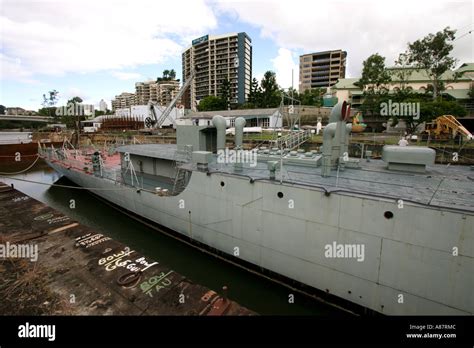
(75,100)
(51,98)
(255,95)
(438,108)
(471,95)
(172,74)
(432,54)
(430,89)
(270,91)
(2,110)
(374,80)
(49,101)
(46,112)
(375,75)
(403,71)
(211,103)
(430,109)
(293,93)
(225,93)
(471,91)
(247,105)
(68,119)
(312,97)
(74,121)
(167,75)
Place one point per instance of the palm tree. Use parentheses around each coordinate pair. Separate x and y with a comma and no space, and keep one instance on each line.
(165,74)
(172,74)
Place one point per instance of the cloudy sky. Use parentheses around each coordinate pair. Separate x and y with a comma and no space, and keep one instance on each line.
(96,49)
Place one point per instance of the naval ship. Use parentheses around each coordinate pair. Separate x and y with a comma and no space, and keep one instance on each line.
(393,235)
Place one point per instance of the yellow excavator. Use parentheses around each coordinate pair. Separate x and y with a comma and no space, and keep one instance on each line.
(446,127)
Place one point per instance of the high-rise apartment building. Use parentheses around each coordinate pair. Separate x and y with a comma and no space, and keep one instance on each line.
(144,91)
(123,100)
(161,92)
(166,91)
(321,69)
(219,58)
(103,105)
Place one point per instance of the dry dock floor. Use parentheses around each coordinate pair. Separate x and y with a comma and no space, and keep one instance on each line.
(79,271)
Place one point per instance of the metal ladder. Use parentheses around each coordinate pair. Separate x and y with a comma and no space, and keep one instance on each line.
(181,156)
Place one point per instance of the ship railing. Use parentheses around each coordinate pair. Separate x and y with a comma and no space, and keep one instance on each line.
(293,139)
(51,153)
(114,174)
(133,174)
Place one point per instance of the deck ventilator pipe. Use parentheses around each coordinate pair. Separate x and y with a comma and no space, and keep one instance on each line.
(239,131)
(219,122)
(328,137)
(239,135)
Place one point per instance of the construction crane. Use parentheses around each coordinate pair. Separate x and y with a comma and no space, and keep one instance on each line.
(157,121)
(446,127)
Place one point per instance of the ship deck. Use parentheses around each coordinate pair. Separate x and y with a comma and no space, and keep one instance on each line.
(162,151)
(445,186)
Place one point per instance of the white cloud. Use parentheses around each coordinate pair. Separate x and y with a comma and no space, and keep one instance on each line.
(121,75)
(69,93)
(12,69)
(284,65)
(53,37)
(74,92)
(359,27)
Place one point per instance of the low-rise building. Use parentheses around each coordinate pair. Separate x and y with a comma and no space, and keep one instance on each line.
(19,111)
(264,118)
(417,81)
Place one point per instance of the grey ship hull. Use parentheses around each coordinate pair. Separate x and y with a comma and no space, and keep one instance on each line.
(409,268)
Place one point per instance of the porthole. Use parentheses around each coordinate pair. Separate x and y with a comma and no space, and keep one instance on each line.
(388,215)
(280,194)
(222,184)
